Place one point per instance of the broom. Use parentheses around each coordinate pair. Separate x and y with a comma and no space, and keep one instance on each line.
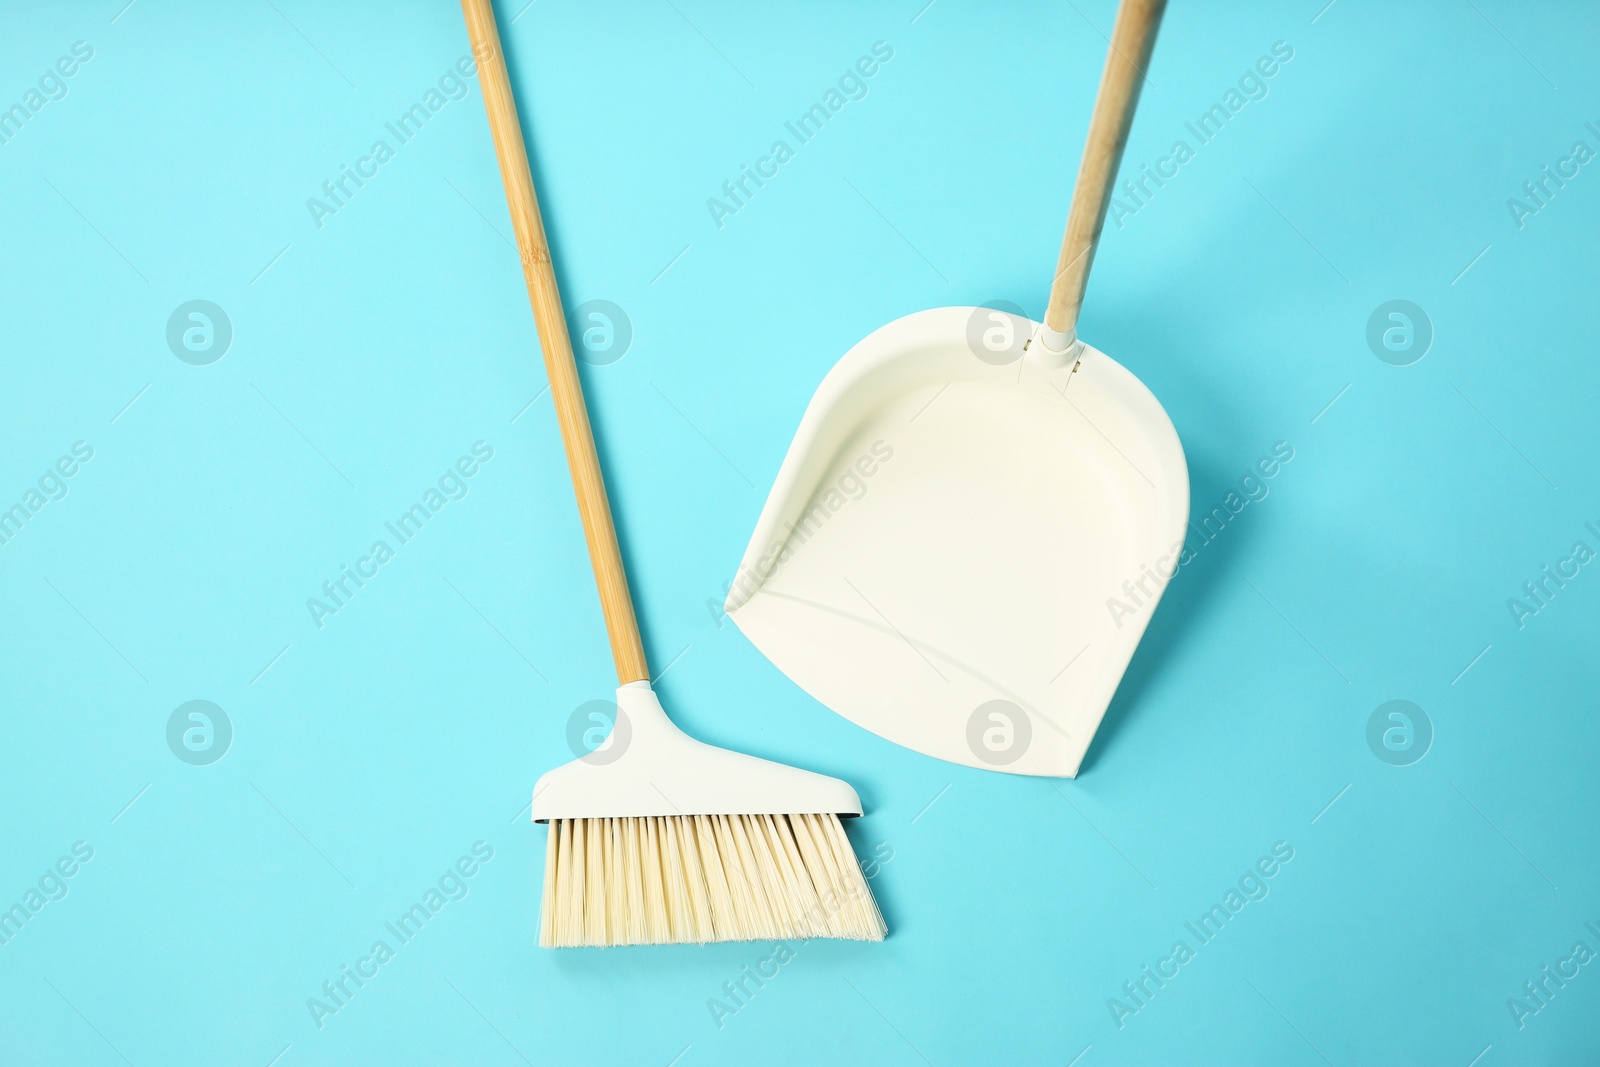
(658,838)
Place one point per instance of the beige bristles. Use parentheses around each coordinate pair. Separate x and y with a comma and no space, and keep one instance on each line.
(696,878)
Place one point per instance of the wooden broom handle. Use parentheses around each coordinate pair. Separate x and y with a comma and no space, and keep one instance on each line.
(1132,39)
(565,389)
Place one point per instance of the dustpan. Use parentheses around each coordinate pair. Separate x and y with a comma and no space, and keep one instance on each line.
(979,512)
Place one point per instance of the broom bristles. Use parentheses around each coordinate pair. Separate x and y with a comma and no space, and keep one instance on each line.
(658,880)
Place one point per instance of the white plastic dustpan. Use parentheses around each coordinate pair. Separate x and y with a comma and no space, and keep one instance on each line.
(978,513)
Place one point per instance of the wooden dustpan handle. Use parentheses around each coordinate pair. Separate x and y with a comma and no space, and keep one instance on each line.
(565,389)
(1132,39)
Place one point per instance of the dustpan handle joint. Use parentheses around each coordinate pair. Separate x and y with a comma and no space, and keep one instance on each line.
(1132,38)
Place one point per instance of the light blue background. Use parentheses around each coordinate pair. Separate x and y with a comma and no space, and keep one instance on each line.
(375,350)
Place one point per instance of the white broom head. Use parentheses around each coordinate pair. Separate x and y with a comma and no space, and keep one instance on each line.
(657,838)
